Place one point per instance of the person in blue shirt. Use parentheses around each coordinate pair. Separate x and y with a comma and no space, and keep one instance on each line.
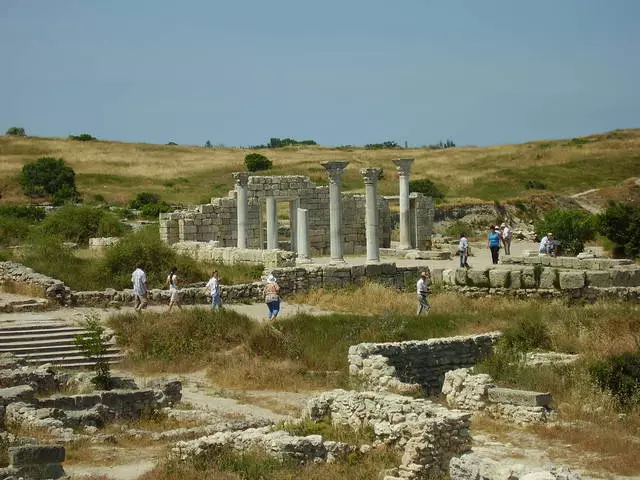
(493,242)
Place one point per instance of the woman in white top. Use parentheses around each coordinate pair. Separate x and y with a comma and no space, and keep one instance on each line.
(174,288)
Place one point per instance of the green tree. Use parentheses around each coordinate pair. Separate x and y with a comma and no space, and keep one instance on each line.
(16,132)
(257,161)
(426,187)
(79,223)
(620,223)
(571,229)
(208,144)
(47,176)
(94,345)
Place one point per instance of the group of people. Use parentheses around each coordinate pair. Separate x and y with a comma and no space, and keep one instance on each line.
(141,289)
(497,236)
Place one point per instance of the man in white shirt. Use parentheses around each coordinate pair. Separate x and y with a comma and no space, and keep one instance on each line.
(422,290)
(214,287)
(139,280)
(506,238)
(548,245)
(463,249)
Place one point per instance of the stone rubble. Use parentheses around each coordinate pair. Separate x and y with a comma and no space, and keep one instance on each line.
(472,466)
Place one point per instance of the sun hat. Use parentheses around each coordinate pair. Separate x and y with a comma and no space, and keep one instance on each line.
(271,279)
(549,234)
(423,274)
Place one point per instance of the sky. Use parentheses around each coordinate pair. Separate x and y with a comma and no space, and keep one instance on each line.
(349,72)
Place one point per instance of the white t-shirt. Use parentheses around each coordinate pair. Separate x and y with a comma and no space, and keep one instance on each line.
(464,244)
(214,286)
(173,282)
(139,280)
(544,242)
(421,286)
(506,232)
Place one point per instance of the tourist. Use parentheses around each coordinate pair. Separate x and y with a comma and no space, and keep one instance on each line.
(140,288)
(506,238)
(548,245)
(422,290)
(463,250)
(272,297)
(174,288)
(214,287)
(493,243)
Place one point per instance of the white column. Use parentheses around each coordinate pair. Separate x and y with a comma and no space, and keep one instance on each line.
(403,165)
(335,170)
(371,176)
(293,223)
(272,224)
(242,206)
(302,222)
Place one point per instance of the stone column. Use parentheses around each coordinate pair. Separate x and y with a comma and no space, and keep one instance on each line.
(403,165)
(371,176)
(242,206)
(335,170)
(272,224)
(293,223)
(302,222)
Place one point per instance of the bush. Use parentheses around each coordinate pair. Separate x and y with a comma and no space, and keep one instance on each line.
(458,227)
(620,375)
(144,198)
(94,345)
(571,228)
(152,210)
(26,212)
(48,176)
(426,187)
(13,230)
(16,132)
(83,137)
(620,223)
(528,333)
(381,146)
(535,184)
(255,161)
(276,142)
(78,224)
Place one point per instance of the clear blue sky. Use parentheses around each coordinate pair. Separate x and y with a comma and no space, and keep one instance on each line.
(238,72)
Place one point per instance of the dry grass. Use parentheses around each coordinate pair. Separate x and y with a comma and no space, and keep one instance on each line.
(190,174)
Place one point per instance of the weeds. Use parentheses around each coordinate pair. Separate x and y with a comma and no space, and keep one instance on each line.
(329,431)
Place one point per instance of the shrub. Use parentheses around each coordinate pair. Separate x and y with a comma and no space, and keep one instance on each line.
(458,227)
(94,346)
(83,137)
(255,161)
(381,146)
(172,144)
(25,212)
(441,145)
(144,198)
(571,228)
(528,333)
(535,184)
(620,375)
(152,210)
(620,223)
(78,224)
(16,132)
(13,230)
(426,187)
(276,142)
(47,176)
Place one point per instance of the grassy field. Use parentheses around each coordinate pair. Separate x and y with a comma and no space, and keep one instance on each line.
(182,174)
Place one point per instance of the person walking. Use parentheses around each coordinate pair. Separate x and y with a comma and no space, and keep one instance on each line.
(422,290)
(506,238)
(174,288)
(272,297)
(463,249)
(140,288)
(493,243)
(214,287)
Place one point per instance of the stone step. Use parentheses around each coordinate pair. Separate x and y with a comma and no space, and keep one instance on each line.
(73,360)
(47,356)
(18,337)
(28,350)
(28,326)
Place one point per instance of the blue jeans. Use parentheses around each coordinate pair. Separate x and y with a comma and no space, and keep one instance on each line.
(216,301)
(274,309)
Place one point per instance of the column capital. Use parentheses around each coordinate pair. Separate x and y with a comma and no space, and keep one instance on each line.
(335,170)
(241,178)
(370,175)
(403,166)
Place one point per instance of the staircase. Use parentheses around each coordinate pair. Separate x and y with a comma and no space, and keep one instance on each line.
(48,341)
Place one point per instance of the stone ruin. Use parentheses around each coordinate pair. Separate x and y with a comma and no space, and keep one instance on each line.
(322,219)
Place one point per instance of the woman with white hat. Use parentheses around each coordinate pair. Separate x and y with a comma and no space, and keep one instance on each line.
(272,297)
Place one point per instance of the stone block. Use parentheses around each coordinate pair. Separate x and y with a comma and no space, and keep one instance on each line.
(547,278)
(499,278)
(20,393)
(516,279)
(449,276)
(374,270)
(477,278)
(523,398)
(570,262)
(35,455)
(571,280)
(528,277)
(598,278)
(437,276)
(461,276)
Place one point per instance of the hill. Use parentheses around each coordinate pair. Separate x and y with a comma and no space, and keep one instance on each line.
(181,174)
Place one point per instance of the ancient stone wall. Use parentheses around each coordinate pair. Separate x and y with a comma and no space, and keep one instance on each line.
(207,252)
(217,221)
(403,366)
(15,277)
(567,262)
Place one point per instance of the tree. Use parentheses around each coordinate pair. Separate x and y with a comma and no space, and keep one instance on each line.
(208,144)
(426,187)
(620,223)
(571,228)
(257,161)
(16,132)
(94,345)
(49,176)
(83,137)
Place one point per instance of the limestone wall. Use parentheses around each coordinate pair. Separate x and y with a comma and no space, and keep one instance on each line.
(404,366)
(217,221)
(568,262)
(206,252)
(15,277)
